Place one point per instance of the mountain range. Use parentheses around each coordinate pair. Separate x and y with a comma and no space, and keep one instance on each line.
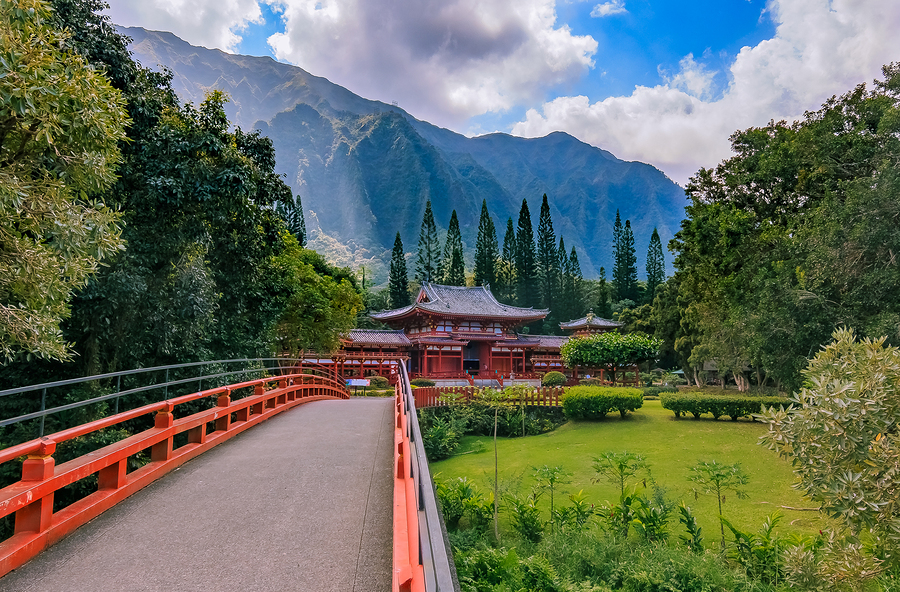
(365,169)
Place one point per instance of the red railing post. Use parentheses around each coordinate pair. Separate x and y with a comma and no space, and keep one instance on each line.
(113,476)
(162,451)
(38,515)
(223,424)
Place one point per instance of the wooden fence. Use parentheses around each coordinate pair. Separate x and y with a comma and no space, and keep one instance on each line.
(441,396)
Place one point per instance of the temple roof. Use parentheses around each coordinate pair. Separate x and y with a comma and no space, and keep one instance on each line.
(378,337)
(460,301)
(551,341)
(590,322)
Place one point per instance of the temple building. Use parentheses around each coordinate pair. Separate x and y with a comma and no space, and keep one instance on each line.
(453,332)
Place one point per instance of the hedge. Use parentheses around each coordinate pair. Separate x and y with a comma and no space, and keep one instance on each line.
(554,378)
(594,402)
(734,406)
(421,382)
(655,391)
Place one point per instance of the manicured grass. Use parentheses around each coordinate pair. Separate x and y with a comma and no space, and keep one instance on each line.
(671,447)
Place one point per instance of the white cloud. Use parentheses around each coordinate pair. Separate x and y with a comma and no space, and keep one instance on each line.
(693,78)
(443,60)
(609,8)
(820,48)
(210,23)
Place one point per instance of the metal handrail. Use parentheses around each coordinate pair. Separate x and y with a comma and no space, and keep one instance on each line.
(435,553)
(43,413)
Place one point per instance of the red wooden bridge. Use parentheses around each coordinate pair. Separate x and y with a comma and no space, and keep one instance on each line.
(335,495)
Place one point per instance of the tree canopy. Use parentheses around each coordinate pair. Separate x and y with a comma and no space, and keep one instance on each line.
(610,349)
(794,235)
(61,123)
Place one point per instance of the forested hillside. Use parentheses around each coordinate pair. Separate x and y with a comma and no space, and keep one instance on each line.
(364,169)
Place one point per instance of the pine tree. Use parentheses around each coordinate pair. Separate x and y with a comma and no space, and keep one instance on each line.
(574,270)
(398,279)
(452,265)
(292,214)
(547,260)
(617,247)
(526,272)
(506,267)
(625,270)
(486,250)
(564,302)
(427,258)
(604,306)
(509,241)
(656,265)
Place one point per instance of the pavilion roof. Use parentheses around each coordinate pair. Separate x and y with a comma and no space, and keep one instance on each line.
(459,301)
(378,337)
(590,322)
(551,341)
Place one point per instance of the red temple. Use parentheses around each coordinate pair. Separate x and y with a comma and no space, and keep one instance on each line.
(462,333)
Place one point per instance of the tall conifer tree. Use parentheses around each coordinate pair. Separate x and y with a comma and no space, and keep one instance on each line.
(563,302)
(526,270)
(617,247)
(574,271)
(604,306)
(452,265)
(656,265)
(292,213)
(548,270)
(399,280)
(428,256)
(625,271)
(506,267)
(486,250)
(509,242)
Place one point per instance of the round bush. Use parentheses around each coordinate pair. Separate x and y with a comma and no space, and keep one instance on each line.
(379,382)
(554,379)
(421,382)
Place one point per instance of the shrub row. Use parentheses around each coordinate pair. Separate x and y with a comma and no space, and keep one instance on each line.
(655,391)
(734,406)
(594,402)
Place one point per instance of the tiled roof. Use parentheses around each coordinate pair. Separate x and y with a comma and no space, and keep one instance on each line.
(551,341)
(378,337)
(461,301)
(590,322)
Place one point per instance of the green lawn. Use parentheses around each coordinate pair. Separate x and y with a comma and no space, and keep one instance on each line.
(671,446)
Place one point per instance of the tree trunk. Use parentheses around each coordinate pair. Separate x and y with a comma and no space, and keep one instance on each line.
(496,482)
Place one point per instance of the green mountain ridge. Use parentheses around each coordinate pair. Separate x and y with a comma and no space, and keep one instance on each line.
(364,169)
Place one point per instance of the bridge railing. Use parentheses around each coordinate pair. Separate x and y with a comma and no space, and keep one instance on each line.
(423,560)
(31,500)
(62,389)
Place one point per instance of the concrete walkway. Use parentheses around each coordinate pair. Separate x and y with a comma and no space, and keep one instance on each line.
(300,502)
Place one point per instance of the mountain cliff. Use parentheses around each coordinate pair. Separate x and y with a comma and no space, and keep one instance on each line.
(364,169)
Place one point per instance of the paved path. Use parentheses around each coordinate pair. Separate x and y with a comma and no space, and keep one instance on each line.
(300,502)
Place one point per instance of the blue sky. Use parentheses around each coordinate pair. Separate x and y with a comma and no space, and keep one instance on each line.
(658,81)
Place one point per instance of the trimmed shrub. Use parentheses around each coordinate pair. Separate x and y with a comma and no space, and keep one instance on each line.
(653,392)
(379,382)
(421,382)
(590,382)
(554,379)
(734,406)
(594,402)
